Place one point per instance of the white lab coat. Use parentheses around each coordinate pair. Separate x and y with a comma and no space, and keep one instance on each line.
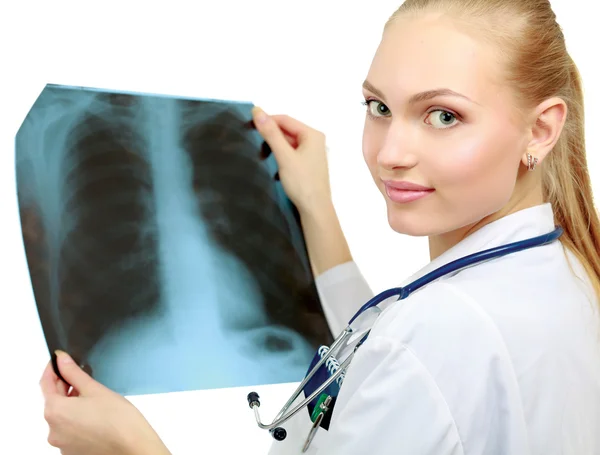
(502,358)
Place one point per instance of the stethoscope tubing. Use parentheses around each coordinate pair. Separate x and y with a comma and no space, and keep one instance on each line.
(454,266)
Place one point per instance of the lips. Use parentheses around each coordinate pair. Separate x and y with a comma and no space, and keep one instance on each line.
(404,192)
(405,186)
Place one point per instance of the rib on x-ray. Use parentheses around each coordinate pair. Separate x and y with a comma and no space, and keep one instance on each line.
(163,254)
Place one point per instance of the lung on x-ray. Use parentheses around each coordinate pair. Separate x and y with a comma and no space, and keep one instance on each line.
(163,252)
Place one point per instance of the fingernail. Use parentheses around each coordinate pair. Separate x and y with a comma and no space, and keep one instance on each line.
(260,116)
(63,357)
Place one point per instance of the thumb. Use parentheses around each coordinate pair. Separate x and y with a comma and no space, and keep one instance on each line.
(74,374)
(272,134)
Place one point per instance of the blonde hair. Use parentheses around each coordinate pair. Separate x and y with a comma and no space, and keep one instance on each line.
(538,67)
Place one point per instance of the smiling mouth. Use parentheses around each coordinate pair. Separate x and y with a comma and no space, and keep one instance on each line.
(403,193)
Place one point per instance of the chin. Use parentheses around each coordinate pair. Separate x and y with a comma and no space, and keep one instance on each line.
(414,230)
(415,220)
(424,218)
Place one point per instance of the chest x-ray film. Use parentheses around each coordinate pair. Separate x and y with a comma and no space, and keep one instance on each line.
(163,253)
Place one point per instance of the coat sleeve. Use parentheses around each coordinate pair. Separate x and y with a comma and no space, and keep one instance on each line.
(342,290)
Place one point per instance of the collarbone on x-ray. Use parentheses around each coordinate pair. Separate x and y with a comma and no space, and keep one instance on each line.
(162,252)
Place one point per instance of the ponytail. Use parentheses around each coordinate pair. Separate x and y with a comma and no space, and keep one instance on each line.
(567,185)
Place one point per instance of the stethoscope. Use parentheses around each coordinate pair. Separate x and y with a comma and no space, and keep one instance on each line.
(322,383)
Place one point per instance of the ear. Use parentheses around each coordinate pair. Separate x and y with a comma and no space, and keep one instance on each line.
(549,120)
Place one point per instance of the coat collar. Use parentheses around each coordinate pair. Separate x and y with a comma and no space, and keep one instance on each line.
(526,223)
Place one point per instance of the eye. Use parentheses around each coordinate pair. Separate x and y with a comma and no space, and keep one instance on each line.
(441,119)
(376,108)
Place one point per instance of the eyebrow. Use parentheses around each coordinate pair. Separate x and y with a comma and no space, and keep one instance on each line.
(419,97)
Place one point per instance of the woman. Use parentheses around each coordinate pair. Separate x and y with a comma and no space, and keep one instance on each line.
(474,135)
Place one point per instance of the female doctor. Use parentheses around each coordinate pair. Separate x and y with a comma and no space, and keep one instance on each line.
(474,136)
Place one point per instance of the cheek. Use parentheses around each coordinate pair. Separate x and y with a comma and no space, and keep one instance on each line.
(485,163)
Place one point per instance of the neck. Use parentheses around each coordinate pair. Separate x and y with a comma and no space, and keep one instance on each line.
(440,243)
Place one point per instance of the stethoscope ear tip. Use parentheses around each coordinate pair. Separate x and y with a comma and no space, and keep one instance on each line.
(253,399)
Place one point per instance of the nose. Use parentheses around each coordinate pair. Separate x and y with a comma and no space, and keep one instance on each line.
(398,149)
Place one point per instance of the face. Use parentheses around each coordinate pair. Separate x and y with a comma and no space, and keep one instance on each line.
(439,117)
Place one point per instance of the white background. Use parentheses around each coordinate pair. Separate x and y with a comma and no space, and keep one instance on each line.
(307,59)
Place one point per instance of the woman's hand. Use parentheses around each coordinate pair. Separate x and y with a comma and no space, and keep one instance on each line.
(92,419)
(302,160)
(300,152)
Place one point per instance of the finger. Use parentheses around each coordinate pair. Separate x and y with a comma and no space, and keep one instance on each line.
(74,375)
(291,126)
(272,134)
(73,392)
(265,150)
(48,382)
(293,141)
(56,415)
(292,138)
(62,388)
